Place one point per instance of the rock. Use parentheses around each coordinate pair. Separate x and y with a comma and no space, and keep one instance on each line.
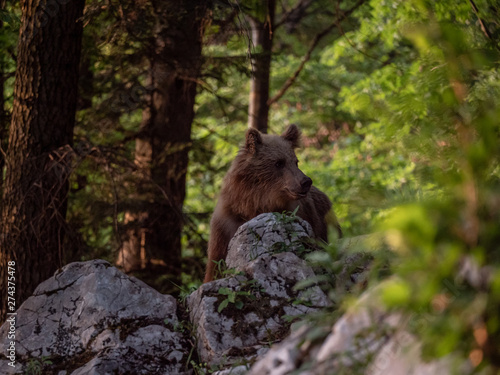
(258,297)
(282,358)
(367,339)
(267,234)
(90,318)
(237,370)
(265,249)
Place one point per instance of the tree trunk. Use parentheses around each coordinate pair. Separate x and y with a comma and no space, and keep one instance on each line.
(262,39)
(3,114)
(38,157)
(3,120)
(165,134)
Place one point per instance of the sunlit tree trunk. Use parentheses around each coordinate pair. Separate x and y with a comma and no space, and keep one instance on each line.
(38,156)
(3,123)
(262,39)
(164,141)
(3,114)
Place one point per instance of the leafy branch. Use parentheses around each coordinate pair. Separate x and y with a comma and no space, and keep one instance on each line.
(290,81)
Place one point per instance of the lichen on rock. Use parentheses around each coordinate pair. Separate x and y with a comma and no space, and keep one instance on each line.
(91,318)
(264,286)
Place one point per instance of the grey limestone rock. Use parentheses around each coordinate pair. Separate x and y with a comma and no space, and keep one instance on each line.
(90,318)
(265,249)
(266,234)
(261,252)
(367,339)
(237,370)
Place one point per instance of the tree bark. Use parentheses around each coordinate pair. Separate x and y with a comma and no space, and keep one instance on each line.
(262,39)
(40,135)
(3,120)
(165,135)
(3,114)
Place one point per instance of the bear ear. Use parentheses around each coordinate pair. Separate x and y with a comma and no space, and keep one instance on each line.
(253,140)
(292,134)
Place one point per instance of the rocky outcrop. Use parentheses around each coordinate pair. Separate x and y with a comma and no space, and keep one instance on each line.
(90,318)
(238,317)
(367,339)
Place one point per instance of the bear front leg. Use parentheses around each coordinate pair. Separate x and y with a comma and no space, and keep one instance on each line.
(223,226)
(217,250)
(222,229)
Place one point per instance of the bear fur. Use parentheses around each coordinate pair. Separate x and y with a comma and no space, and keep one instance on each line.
(264,177)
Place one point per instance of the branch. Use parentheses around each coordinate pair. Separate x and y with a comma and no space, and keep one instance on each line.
(290,81)
(294,14)
(485,30)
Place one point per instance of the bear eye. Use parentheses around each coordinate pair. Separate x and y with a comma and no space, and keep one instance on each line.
(280,164)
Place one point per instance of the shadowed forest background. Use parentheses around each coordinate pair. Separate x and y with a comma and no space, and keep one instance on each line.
(119,119)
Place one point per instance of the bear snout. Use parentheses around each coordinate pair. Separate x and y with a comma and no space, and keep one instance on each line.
(305,185)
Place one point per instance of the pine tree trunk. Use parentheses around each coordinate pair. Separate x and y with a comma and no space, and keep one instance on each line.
(262,39)
(165,135)
(3,114)
(38,157)
(3,122)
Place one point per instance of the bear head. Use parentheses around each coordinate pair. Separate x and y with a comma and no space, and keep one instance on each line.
(265,174)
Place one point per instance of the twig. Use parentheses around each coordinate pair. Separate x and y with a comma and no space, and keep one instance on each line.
(482,23)
(341,31)
(290,81)
(298,9)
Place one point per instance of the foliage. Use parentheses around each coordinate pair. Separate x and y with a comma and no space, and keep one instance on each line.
(440,112)
(236,297)
(9,25)
(35,366)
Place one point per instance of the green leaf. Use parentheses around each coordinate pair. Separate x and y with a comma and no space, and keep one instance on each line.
(395,292)
(225,291)
(223,305)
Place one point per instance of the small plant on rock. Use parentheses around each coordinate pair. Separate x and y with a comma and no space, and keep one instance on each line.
(246,292)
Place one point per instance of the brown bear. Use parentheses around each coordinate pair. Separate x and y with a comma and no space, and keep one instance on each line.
(264,177)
